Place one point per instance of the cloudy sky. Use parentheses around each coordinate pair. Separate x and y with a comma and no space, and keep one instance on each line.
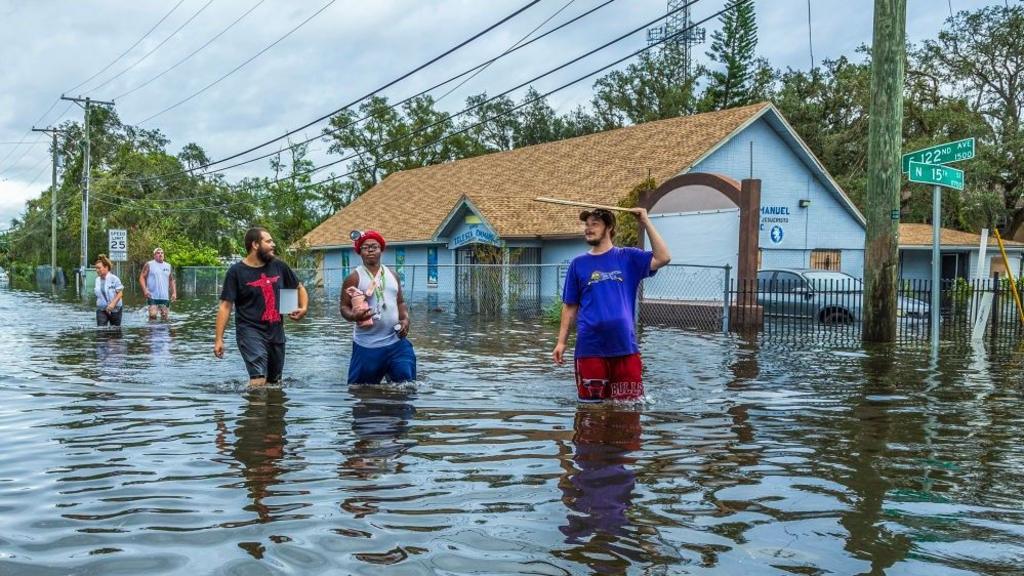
(351,47)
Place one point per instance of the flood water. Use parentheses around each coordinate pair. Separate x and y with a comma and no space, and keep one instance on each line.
(137,452)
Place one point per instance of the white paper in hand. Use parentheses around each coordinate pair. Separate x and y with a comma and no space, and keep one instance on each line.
(289,301)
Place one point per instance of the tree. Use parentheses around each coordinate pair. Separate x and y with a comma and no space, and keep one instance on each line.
(653,88)
(733,50)
(381,140)
(976,65)
(827,107)
(538,122)
(494,124)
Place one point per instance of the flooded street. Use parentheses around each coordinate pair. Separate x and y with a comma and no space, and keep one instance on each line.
(137,452)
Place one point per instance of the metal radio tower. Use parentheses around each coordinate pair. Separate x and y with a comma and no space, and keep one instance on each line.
(679,27)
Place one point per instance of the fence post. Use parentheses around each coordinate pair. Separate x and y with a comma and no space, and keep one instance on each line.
(996,311)
(726,303)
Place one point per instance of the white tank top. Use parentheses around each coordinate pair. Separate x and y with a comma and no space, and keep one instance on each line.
(158,279)
(383,301)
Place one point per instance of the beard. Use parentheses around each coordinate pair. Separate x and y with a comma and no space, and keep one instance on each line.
(594,242)
(265,256)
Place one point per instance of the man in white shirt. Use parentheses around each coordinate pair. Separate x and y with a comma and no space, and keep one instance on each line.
(157,281)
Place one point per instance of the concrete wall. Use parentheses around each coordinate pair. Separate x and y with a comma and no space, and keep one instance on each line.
(785,180)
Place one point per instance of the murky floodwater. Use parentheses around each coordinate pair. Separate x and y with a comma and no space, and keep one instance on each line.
(136,452)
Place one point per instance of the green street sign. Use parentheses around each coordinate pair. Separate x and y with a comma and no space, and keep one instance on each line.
(941,154)
(938,175)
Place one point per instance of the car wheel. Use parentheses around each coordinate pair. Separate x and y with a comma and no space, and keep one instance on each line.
(836,317)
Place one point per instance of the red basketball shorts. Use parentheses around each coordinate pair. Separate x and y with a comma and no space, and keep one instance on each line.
(614,378)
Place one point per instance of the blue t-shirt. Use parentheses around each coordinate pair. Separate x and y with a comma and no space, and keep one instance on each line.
(605,288)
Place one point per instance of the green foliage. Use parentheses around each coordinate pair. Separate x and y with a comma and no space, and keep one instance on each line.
(627,226)
(182,252)
(733,50)
(964,83)
(552,313)
(961,292)
(654,88)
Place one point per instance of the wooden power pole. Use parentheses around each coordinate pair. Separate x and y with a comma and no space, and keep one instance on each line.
(885,142)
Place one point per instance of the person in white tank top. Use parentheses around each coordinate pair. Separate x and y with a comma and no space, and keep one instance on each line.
(380,348)
(157,282)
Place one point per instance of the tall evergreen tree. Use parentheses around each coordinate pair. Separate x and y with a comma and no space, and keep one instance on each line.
(733,49)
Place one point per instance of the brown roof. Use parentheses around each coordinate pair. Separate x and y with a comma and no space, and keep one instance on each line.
(921,235)
(600,168)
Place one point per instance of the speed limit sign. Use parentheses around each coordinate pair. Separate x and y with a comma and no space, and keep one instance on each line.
(117,242)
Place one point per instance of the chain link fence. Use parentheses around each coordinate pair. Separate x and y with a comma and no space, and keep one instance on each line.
(486,289)
(679,295)
(687,296)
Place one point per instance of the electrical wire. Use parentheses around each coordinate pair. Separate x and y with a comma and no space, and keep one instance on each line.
(125,53)
(193,53)
(237,68)
(86,81)
(154,49)
(360,99)
(810,34)
(506,52)
(467,128)
(493,98)
(188,172)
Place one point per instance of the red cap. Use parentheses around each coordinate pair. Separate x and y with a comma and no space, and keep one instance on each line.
(370,235)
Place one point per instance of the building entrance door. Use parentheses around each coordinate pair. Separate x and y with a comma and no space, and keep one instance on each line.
(489,279)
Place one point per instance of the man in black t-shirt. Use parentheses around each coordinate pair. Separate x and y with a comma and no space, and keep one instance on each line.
(253,287)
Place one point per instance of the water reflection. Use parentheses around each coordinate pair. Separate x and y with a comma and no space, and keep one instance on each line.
(599,491)
(135,453)
(380,421)
(157,343)
(111,352)
(260,441)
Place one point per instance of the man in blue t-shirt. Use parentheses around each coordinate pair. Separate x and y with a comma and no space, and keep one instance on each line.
(600,296)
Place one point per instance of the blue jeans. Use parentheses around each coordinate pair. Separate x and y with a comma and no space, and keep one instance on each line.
(371,365)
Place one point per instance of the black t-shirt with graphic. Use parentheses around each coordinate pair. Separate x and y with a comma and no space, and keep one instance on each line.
(255,293)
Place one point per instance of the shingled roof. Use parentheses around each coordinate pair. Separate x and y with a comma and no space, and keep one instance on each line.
(600,168)
(920,235)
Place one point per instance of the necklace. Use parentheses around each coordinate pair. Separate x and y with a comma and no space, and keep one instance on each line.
(377,287)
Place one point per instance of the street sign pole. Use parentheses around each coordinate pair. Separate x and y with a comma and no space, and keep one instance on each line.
(936,262)
(927,166)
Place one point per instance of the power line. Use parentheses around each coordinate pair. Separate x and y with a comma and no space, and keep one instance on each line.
(546,94)
(509,50)
(493,98)
(125,53)
(193,53)
(360,99)
(810,34)
(467,128)
(237,68)
(87,80)
(187,172)
(155,48)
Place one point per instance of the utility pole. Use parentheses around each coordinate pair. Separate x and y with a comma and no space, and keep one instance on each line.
(53,202)
(885,141)
(85,103)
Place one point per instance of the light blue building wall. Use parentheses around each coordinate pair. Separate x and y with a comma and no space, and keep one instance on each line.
(916,264)
(789,232)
